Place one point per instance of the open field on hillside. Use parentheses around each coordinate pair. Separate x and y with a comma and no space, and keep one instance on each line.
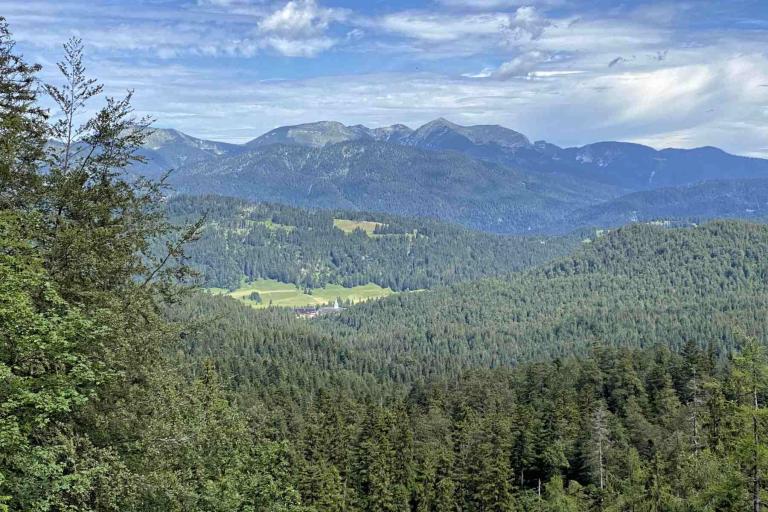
(348,226)
(280,294)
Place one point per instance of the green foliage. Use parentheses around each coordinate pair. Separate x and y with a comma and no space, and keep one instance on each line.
(23,126)
(614,379)
(49,369)
(454,444)
(638,286)
(716,199)
(649,429)
(253,241)
(92,416)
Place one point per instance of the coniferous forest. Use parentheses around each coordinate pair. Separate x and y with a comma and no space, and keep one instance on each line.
(625,370)
(241,240)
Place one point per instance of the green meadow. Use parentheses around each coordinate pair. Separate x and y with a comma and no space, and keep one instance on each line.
(348,226)
(275,293)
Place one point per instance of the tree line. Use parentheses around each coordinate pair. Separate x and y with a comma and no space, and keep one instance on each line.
(617,430)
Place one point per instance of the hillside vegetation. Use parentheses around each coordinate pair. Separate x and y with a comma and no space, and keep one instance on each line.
(264,293)
(739,199)
(395,179)
(631,375)
(605,380)
(639,287)
(314,248)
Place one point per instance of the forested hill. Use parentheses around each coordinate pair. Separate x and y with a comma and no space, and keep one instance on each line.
(737,199)
(391,406)
(638,286)
(122,391)
(312,248)
(635,287)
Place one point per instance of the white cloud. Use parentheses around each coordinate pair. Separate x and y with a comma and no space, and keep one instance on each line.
(298,18)
(716,102)
(299,27)
(522,65)
(210,27)
(439,27)
(524,23)
(598,36)
(301,47)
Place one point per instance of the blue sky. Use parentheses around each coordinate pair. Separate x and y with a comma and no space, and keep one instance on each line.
(664,73)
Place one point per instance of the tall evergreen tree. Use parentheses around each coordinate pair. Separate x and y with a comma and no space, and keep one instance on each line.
(23,126)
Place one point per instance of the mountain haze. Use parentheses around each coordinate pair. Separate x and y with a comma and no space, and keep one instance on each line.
(369,175)
(486,177)
(329,132)
(167,149)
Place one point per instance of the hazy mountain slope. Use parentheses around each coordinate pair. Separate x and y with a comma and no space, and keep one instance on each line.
(167,149)
(391,178)
(625,165)
(714,199)
(485,177)
(442,134)
(311,134)
(639,167)
(396,133)
(319,134)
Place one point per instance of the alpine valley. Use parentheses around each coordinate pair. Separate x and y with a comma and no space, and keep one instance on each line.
(335,318)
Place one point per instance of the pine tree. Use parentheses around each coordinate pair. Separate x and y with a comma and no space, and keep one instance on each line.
(600,438)
(92,415)
(23,127)
(100,224)
(750,375)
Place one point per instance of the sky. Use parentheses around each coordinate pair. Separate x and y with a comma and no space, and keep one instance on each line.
(663,73)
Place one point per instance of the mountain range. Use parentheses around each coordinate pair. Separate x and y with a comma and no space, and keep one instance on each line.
(486,177)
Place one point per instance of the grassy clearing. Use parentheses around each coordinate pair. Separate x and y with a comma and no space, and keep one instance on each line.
(287,295)
(272,226)
(348,226)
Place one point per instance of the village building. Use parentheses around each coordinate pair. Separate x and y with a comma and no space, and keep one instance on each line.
(312,312)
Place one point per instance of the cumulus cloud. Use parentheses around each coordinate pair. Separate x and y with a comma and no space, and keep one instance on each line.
(526,23)
(298,29)
(522,65)
(297,19)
